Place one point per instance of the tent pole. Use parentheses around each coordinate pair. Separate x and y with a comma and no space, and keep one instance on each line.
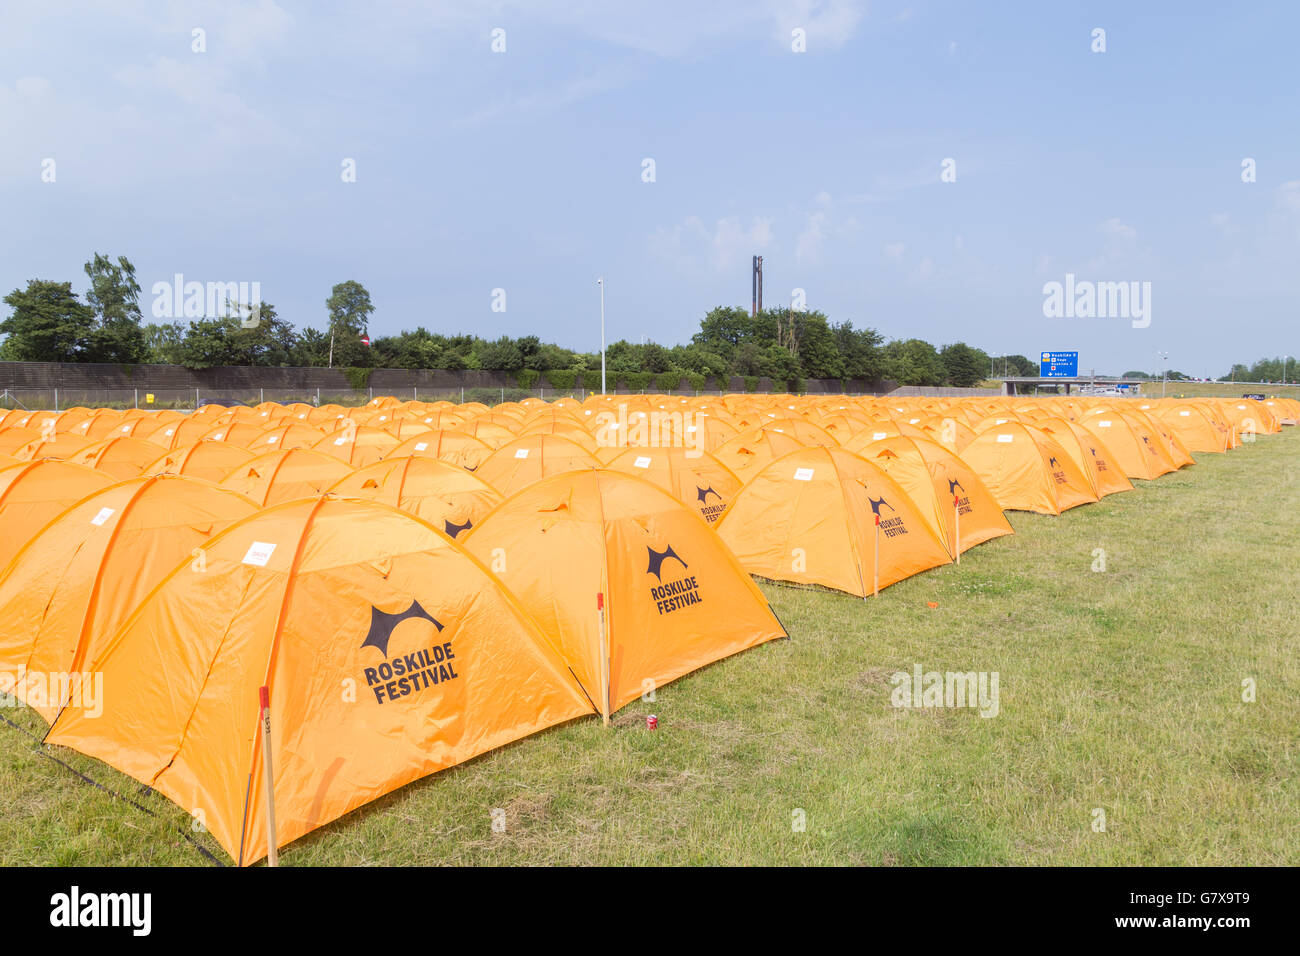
(875,573)
(956,528)
(604,666)
(273,851)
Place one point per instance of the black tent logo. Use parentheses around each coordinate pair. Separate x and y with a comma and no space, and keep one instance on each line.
(657,559)
(702,494)
(382,624)
(953,485)
(455,529)
(878,503)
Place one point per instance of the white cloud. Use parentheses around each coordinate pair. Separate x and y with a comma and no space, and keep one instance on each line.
(1288,196)
(1116,231)
(829,23)
(808,247)
(725,247)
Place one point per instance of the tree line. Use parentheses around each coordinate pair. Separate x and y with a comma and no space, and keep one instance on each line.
(50,322)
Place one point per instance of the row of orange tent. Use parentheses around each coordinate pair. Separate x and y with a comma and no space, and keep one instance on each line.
(428,606)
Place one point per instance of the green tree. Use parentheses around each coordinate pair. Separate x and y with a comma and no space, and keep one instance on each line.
(207,344)
(655,358)
(269,340)
(724,330)
(115,297)
(48,324)
(818,350)
(964,367)
(502,355)
(165,342)
(349,309)
(914,362)
(860,350)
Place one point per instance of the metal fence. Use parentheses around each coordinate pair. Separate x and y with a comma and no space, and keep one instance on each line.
(59,399)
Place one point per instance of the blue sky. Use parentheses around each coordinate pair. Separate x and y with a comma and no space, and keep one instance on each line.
(522,170)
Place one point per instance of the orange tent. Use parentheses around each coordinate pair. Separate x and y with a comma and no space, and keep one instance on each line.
(119,457)
(454,447)
(15,437)
(176,434)
(388,652)
(1089,453)
(237,433)
(697,480)
(210,460)
(675,598)
(1028,470)
(1196,428)
(284,475)
(81,575)
(825,516)
(63,445)
(490,433)
(33,492)
(1133,443)
(448,497)
(289,434)
(750,451)
(519,463)
(357,445)
(1249,416)
(945,488)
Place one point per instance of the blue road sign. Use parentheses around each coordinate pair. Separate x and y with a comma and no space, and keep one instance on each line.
(1059,365)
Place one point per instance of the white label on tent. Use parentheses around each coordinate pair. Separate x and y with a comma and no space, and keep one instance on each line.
(421,445)
(876,436)
(259,552)
(428,420)
(169,431)
(103,515)
(273,439)
(913,421)
(642,462)
(999,421)
(521,452)
(339,441)
(126,428)
(218,436)
(1006,439)
(781,430)
(1185,414)
(1104,423)
(690,428)
(803,474)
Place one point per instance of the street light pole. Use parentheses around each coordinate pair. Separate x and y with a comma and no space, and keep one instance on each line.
(1284,361)
(1164,376)
(601,282)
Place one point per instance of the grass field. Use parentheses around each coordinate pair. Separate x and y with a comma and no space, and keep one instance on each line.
(1120,690)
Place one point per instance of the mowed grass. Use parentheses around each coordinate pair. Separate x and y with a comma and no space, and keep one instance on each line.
(1119,690)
